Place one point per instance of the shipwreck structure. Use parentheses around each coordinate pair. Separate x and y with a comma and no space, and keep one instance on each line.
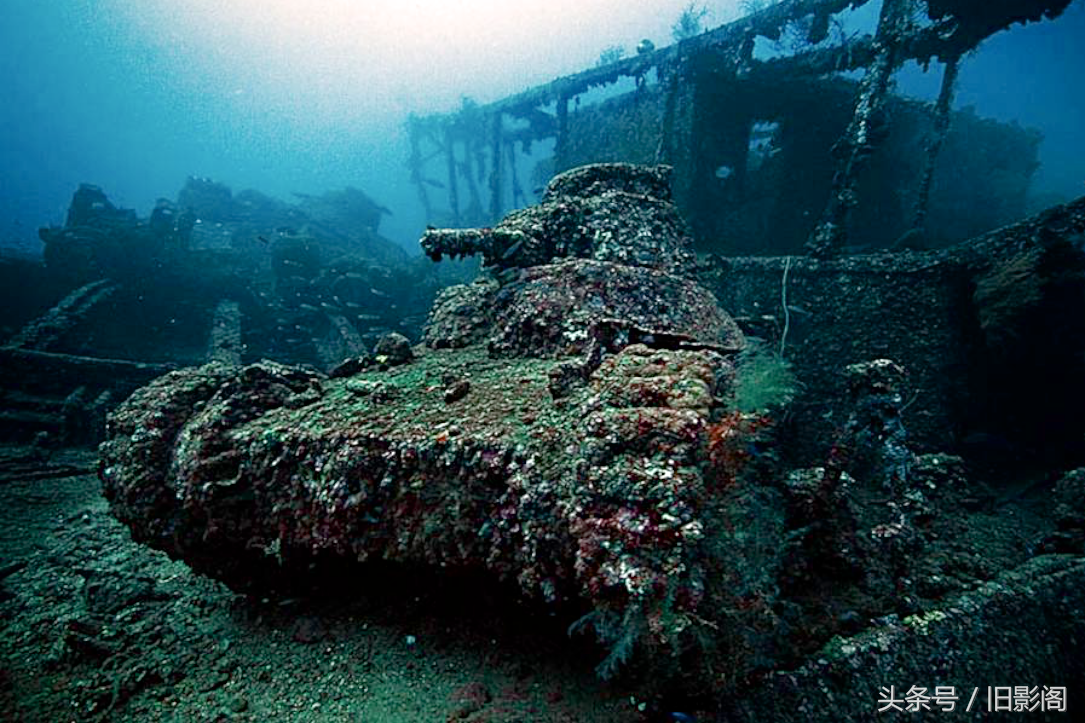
(777,147)
(753,479)
(117,300)
(575,427)
(781,129)
(553,432)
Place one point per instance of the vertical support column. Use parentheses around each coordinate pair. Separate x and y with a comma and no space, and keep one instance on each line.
(563,131)
(496,182)
(518,199)
(453,186)
(866,129)
(470,168)
(669,80)
(416,166)
(941,129)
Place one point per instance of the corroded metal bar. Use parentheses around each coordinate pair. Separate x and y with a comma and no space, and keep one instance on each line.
(941,130)
(496,180)
(416,162)
(866,130)
(453,185)
(46,330)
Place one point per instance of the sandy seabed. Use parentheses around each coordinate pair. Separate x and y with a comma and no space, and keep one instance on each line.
(94,626)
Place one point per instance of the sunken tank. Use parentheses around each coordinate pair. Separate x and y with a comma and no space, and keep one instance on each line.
(561,428)
(577,426)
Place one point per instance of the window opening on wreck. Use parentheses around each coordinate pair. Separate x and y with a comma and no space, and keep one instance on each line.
(816,32)
(855,22)
(650,79)
(919,81)
(600,94)
(766,49)
(513,125)
(763,144)
(540,165)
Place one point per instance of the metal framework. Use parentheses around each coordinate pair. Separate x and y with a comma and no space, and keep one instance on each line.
(475,148)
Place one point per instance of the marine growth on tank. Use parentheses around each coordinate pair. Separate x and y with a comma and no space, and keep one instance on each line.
(541,361)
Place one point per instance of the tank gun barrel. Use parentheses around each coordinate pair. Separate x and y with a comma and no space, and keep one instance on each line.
(497,246)
(456,242)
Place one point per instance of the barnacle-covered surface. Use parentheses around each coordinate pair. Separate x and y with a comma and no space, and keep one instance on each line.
(614,212)
(967,323)
(566,431)
(606,244)
(599,499)
(556,433)
(581,429)
(557,309)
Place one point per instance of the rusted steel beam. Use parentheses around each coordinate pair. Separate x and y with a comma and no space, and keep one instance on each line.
(952,28)
(768,23)
(941,129)
(867,128)
(47,330)
(415,127)
(496,179)
(453,184)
